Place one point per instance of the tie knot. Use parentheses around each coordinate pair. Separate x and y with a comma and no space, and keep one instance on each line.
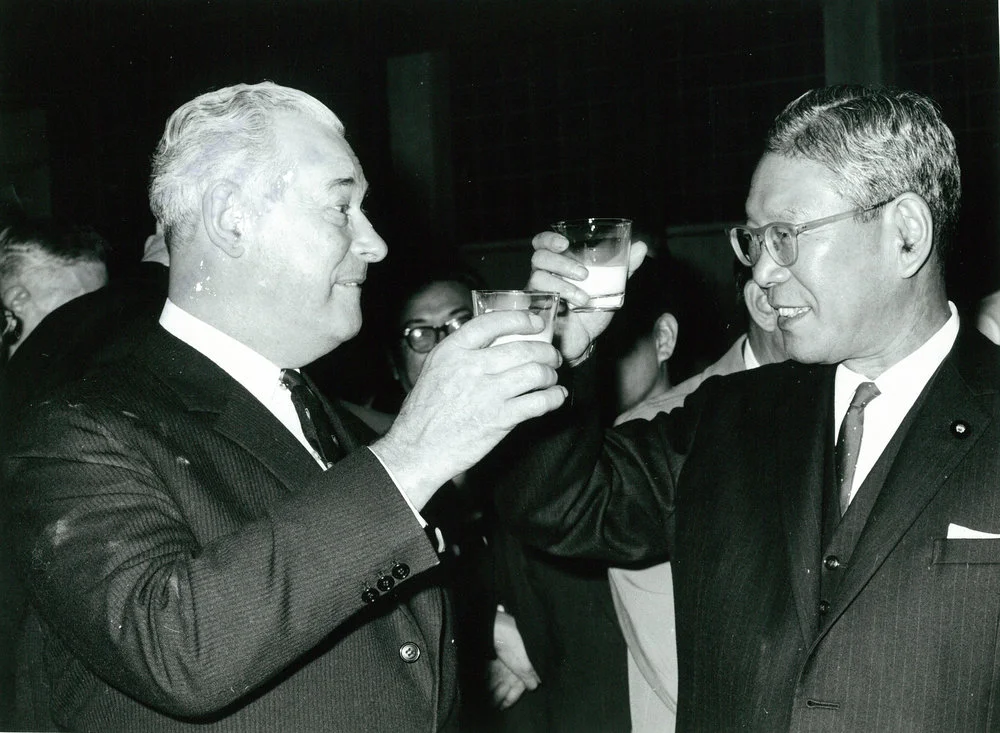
(866,392)
(292,379)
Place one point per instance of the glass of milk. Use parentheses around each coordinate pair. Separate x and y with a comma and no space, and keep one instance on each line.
(600,245)
(545,305)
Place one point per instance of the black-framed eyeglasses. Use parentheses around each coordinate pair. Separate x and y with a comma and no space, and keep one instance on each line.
(781,239)
(424,338)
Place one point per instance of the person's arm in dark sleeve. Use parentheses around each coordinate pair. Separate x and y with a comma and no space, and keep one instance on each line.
(566,485)
(105,541)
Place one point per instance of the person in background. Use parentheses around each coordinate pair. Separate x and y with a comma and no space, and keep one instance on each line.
(204,538)
(831,521)
(44,264)
(552,603)
(644,597)
(102,320)
(433,301)
(668,328)
(544,605)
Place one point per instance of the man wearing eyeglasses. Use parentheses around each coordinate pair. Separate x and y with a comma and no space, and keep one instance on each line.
(833,522)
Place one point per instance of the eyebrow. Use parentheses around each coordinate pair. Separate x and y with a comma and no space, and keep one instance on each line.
(788,216)
(448,316)
(337,183)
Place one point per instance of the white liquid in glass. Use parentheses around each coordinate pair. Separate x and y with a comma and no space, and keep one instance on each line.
(545,334)
(605,284)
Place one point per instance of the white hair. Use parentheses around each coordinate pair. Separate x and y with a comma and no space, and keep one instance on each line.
(224,134)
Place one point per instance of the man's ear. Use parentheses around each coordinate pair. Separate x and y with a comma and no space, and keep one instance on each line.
(912,229)
(665,336)
(223,215)
(16,298)
(759,309)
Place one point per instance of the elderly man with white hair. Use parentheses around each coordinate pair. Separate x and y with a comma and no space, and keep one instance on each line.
(206,540)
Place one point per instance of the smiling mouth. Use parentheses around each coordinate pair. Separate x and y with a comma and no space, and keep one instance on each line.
(350,283)
(788,312)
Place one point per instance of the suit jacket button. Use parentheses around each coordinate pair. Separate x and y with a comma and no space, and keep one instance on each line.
(832,562)
(409,652)
(960,429)
(370,595)
(385,583)
(824,606)
(401,571)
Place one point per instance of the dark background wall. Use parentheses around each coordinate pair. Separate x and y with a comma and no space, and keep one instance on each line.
(479,122)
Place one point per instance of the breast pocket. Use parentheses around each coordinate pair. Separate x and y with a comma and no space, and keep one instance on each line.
(966,552)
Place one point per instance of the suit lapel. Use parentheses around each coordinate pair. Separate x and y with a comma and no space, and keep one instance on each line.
(929,454)
(247,422)
(202,386)
(801,496)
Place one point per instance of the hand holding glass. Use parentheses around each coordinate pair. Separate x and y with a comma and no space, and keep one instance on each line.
(602,246)
(545,305)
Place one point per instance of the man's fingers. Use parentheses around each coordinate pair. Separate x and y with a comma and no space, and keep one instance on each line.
(550,241)
(531,680)
(513,695)
(483,330)
(636,256)
(559,264)
(533,404)
(504,357)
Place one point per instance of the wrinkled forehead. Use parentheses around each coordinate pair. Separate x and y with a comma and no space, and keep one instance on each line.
(789,189)
(318,154)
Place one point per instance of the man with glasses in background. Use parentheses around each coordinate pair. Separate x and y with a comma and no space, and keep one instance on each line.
(833,522)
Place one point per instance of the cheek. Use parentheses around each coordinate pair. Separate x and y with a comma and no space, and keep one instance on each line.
(414,364)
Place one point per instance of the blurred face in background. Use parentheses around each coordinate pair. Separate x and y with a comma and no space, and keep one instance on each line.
(637,373)
(432,313)
(42,286)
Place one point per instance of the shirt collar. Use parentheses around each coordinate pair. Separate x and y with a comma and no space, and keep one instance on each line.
(256,373)
(750,359)
(907,376)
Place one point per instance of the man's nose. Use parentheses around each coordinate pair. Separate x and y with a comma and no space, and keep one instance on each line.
(366,243)
(767,272)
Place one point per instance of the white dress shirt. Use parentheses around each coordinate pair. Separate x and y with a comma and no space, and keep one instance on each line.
(899,386)
(257,374)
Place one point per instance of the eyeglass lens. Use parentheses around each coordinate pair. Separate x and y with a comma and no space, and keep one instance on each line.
(424,338)
(779,239)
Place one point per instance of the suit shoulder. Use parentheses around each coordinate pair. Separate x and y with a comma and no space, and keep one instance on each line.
(100,399)
(771,379)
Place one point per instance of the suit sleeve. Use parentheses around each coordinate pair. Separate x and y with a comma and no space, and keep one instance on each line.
(568,486)
(105,522)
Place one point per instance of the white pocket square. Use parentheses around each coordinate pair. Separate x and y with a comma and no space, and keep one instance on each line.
(958,532)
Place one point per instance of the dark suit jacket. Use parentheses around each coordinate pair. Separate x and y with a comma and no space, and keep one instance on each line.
(566,618)
(731,488)
(93,328)
(188,561)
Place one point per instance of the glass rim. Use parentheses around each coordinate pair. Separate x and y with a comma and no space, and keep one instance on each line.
(487,291)
(591,220)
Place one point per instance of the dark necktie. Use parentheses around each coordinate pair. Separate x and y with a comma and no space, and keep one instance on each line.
(849,440)
(312,417)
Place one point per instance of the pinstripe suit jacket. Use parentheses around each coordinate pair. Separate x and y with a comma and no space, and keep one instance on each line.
(190,564)
(731,488)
